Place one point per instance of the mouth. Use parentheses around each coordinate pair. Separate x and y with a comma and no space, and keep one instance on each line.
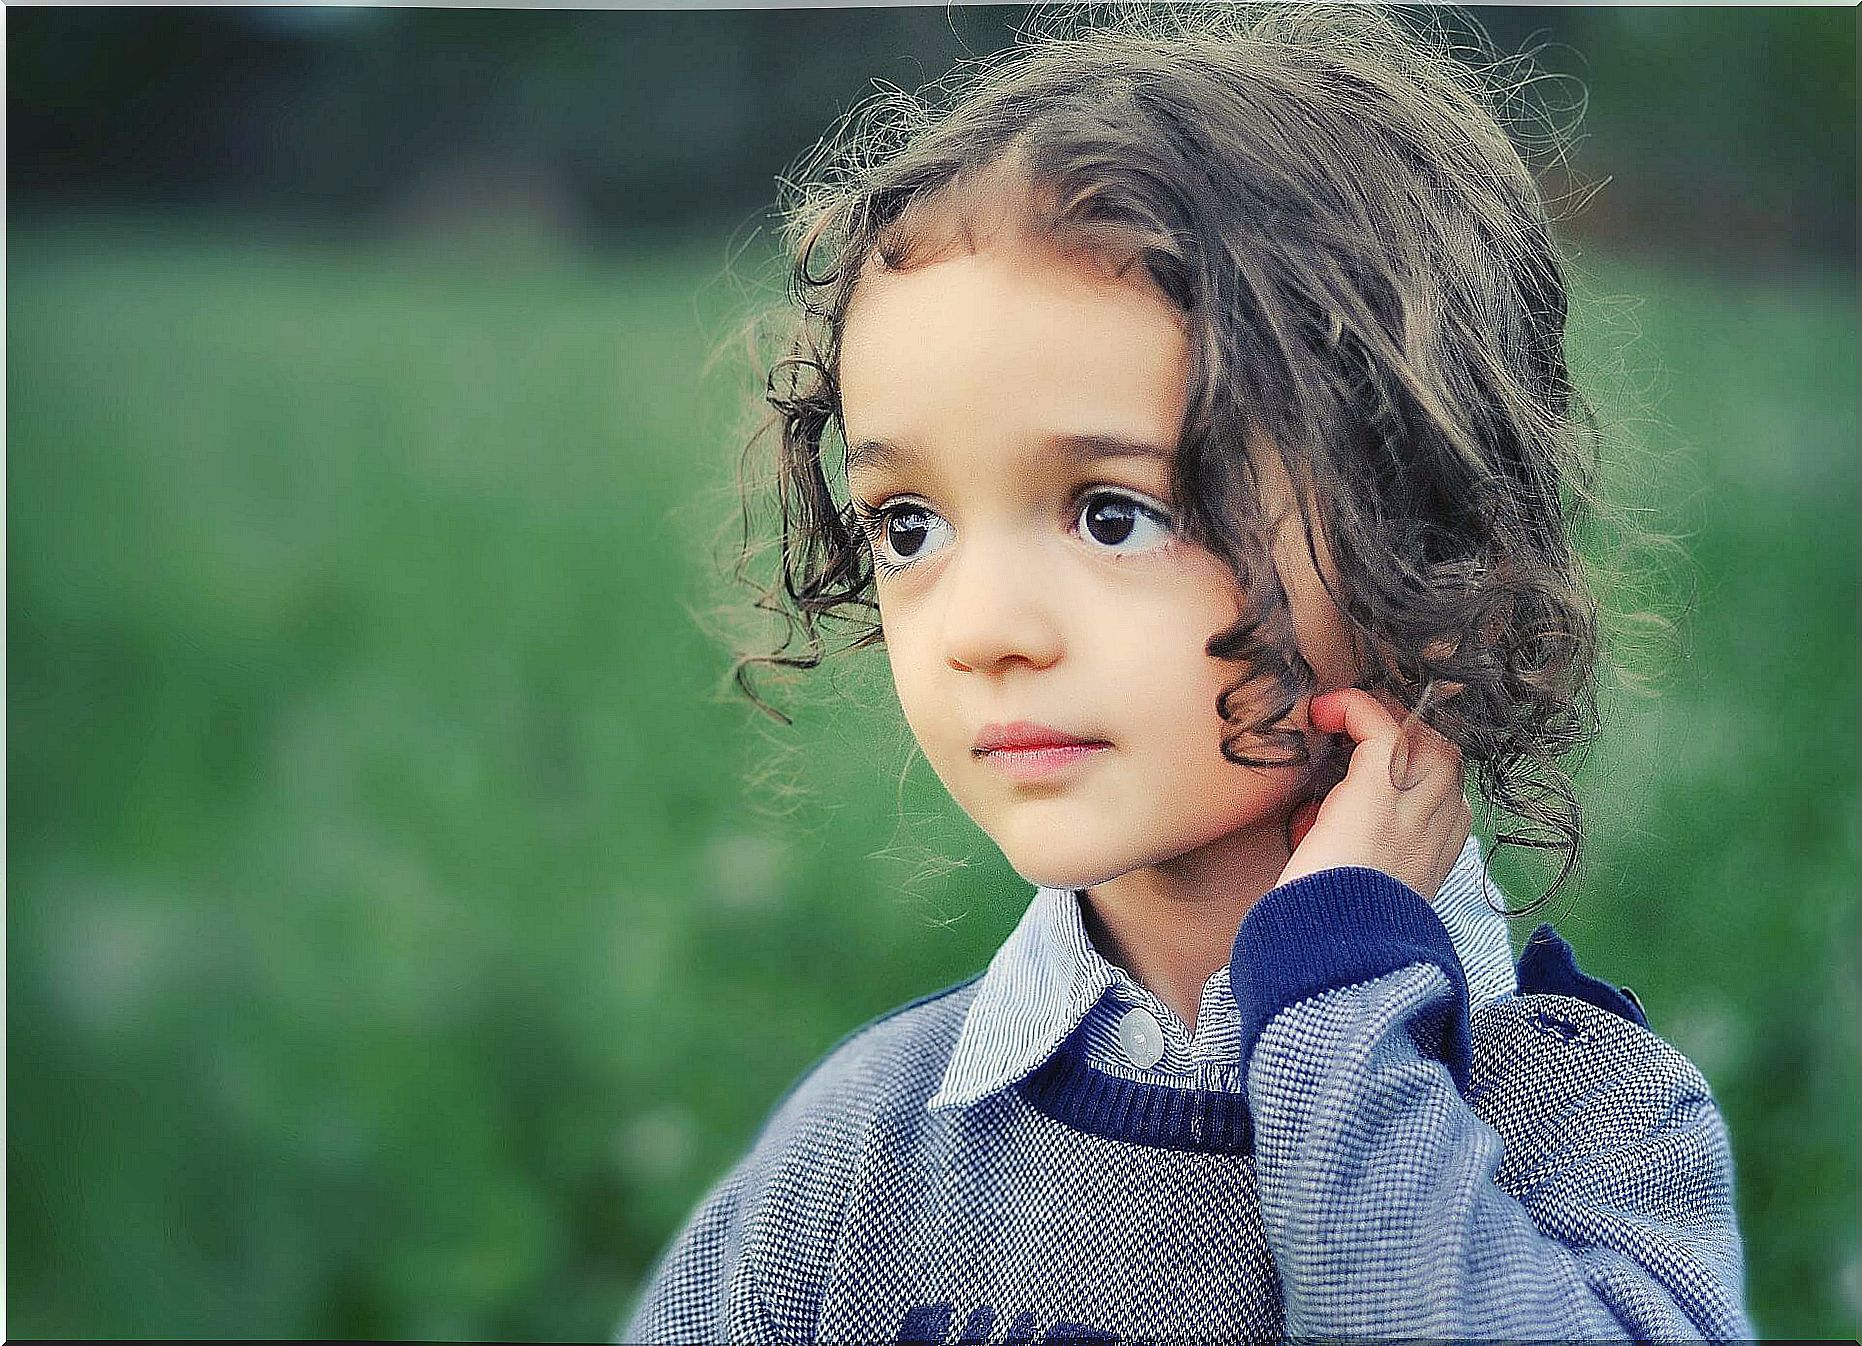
(1036,763)
(1027,736)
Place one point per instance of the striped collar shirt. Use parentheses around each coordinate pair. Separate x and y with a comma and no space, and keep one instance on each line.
(1048,982)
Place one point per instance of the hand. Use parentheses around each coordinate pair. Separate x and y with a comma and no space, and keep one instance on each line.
(1413,833)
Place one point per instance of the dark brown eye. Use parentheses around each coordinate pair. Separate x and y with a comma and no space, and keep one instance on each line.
(1114,518)
(897,533)
(900,533)
(906,530)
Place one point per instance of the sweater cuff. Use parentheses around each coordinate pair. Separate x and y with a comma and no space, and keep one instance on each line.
(1342,927)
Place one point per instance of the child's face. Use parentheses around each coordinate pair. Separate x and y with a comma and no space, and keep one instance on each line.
(1040,586)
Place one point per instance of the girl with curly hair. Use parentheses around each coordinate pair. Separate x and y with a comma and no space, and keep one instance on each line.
(1186,394)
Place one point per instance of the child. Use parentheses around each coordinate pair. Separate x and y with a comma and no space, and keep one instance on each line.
(1203,389)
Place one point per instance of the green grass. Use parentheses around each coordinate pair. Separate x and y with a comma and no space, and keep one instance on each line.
(394,947)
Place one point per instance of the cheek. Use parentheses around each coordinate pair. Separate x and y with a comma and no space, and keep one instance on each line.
(899,659)
(1321,629)
(1167,679)
(1324,640)
(913,679)
(1176,684)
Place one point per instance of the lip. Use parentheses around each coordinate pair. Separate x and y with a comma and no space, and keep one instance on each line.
(1019,736)
(1026,764)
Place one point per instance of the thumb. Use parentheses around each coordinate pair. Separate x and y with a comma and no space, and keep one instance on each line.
(1303,818)
(1354,712)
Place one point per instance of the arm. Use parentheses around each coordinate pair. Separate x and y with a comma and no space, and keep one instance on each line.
(702,1290)
(1378,1180)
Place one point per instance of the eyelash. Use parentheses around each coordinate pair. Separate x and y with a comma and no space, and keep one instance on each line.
(872,520)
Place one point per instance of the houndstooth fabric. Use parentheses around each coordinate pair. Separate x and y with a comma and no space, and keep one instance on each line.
(1580,1188)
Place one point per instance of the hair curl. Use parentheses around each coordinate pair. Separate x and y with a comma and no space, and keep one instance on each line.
(1372,288)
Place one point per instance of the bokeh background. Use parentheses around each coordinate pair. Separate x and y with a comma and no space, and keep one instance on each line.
(406,925)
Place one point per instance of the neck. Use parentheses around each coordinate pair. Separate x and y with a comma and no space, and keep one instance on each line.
(1173,925)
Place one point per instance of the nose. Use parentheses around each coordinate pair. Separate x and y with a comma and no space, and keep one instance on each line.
(999,609)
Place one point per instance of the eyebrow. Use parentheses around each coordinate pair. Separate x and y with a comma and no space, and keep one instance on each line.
(880,454)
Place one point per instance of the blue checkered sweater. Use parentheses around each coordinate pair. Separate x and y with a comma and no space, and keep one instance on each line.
(1380,1127)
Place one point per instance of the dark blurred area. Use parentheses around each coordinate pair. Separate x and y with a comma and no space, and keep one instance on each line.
(1720,130)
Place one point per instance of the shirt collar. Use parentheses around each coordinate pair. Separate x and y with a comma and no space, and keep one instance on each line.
(1047,975)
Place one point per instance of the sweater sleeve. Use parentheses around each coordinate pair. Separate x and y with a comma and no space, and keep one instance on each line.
(702,1289)
(1394,1209)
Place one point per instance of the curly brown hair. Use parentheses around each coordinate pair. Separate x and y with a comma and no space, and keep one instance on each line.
(1372,287)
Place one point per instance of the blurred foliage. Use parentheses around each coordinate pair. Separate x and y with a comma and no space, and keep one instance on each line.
(1726,129)
(395,947)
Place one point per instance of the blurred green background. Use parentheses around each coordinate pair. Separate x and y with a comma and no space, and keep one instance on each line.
(404,925)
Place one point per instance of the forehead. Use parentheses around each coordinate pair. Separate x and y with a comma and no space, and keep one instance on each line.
(1012,341)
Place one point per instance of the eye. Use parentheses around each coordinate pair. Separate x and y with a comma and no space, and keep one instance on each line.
(903,529)
(1115,518)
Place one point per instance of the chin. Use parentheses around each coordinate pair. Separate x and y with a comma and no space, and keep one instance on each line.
(1053,871)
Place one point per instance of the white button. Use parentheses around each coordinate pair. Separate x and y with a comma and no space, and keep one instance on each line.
(1142,1037)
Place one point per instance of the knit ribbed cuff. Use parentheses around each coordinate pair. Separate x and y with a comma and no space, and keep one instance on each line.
(1341,927)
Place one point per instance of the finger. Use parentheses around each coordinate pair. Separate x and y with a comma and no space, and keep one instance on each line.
(1365,716)
(1353,711)
(1421,750)
(1400,714)
(1303,818)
